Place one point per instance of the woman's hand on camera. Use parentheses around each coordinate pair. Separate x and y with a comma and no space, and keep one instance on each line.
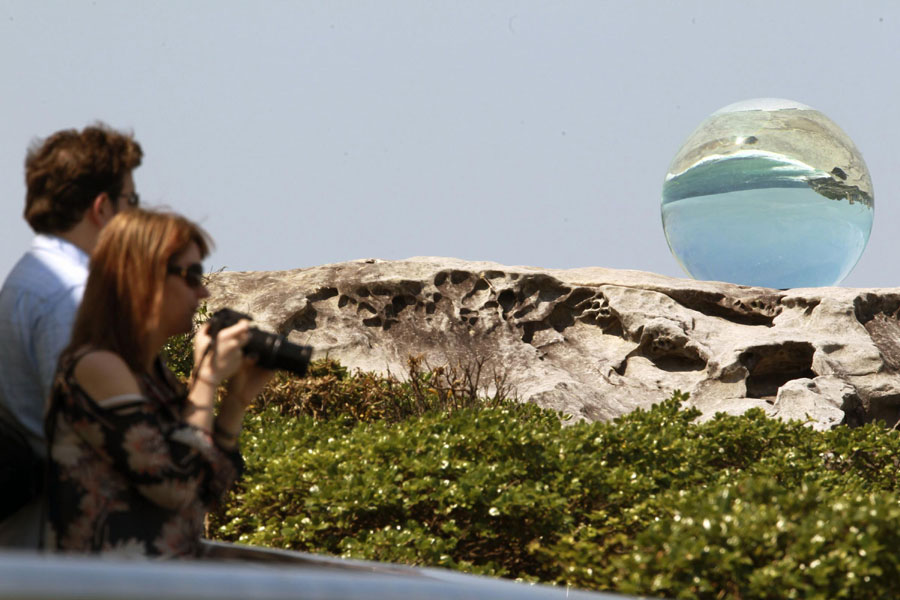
(225,358)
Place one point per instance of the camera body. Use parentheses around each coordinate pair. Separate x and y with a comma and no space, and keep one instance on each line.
(272,351)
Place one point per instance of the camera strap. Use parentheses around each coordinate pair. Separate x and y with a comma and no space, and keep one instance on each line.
(210,351)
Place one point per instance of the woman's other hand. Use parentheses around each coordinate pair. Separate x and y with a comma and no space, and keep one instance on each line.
(248,382)
(243,388)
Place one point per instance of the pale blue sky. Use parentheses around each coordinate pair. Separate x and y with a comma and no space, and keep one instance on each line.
(526,133)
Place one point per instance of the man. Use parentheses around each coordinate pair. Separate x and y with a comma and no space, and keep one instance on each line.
(76,182)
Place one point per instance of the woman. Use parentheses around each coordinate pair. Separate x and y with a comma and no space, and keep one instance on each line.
(135,461)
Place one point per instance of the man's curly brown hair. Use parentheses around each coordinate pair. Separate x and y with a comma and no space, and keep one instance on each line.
(65,172)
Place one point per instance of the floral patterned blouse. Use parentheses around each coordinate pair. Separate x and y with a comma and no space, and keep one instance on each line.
(130,477)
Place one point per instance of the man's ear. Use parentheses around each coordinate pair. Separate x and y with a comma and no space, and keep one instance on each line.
(101,210)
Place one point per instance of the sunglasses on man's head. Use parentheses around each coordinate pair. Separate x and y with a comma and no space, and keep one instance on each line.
(192,274)
(133,200)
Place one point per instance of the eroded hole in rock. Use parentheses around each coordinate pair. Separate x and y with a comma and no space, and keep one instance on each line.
(440,279)
(528,330)
(304,320)
(679,364)
(886,410)
(527,290)
(362,292)
(561,317)
(577,299)
(807,305)
(479,286)
(760,310)
(866,306)
(323,294)
(671,354)
(546,288)
(457,277)
(858,413)
(595,310)
(401,302)
(372,322)
(507,300)
(552,294)
(523,311)
(612,326)
(771,366)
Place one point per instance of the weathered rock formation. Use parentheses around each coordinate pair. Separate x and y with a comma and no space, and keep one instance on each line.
(596,343)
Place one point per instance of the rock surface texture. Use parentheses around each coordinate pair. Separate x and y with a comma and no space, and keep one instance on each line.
(596,343)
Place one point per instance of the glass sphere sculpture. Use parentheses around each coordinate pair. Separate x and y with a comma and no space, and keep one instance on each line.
(768,193)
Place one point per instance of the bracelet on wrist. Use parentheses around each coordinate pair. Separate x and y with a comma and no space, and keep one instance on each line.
(206,380)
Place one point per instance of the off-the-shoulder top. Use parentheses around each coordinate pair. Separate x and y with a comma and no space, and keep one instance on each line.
(130,477)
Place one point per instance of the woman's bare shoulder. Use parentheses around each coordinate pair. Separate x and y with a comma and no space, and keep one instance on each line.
(104,375)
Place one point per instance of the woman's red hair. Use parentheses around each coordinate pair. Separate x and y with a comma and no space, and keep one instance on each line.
(128,269)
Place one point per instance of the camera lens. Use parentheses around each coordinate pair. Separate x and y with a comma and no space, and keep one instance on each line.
(273,351)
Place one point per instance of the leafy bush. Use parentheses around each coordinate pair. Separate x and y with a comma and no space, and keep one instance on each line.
(440,489)
(753,538)
(423,471)
(652,503)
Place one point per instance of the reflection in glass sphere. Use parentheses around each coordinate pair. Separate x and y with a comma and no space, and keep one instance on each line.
(769,193)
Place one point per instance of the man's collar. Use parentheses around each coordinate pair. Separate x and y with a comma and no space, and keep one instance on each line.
(43,241)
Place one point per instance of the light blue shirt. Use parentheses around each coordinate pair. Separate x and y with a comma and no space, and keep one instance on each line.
(38,303)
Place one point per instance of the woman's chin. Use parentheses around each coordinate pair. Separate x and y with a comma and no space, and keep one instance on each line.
(181,329)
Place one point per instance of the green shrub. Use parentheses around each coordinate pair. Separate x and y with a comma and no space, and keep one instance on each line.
(423,491)
(752,538)
(178,352)
(652,503)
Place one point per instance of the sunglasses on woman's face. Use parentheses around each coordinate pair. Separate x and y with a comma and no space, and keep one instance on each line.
(192,274)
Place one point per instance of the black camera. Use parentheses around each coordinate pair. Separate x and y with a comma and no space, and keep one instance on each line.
(272,351)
